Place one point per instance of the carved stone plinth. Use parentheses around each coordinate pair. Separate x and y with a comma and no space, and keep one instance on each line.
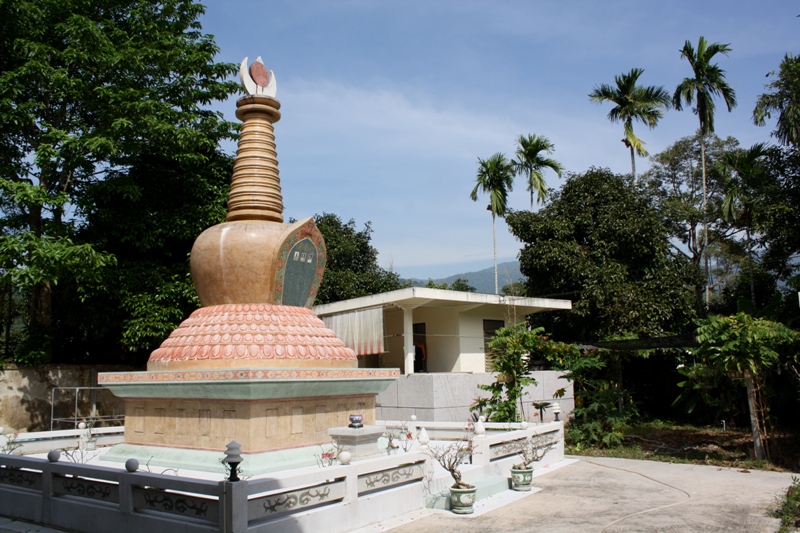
(361,442)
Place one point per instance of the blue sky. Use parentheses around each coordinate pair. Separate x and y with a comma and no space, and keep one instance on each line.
(388,105)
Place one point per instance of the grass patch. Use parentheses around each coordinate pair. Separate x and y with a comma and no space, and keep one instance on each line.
(664,441)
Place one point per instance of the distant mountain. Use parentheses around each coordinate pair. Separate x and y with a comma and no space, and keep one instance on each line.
(482,280)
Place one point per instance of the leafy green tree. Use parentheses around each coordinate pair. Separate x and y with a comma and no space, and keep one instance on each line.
(783,99)
(87,91)
(601,242)
(461,284)
(515,288)
(496,178)
(149,291)
(744,345)
(708,82)
(433,285)
(675,183)
(746,178)
(781,216)
(632,103)
(531,162)
(352,267)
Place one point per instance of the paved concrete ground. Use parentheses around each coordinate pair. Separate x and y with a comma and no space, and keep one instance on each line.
(622,495)
(15,526)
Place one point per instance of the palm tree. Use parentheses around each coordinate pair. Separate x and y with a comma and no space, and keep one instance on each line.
(783,100)
(530,161)
(495,177)
(708,82)
(741,198)
(645,104)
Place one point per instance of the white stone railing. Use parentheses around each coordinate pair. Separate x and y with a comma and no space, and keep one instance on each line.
(334,499)
(44,441)
(87,498)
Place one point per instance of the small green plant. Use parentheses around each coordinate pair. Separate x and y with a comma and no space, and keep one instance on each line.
(508,357)
(789,508)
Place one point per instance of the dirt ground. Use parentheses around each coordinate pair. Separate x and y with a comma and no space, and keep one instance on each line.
(731,448)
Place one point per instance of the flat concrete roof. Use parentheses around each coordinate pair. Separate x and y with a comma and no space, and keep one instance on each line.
(412,297)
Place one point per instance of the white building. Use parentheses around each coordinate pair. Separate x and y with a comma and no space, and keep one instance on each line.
(440,335)
(451,326)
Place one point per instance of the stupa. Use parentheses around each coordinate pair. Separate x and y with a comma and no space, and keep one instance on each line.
(254,364)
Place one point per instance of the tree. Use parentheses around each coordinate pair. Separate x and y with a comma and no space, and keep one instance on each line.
(461,284)
(744,345)
(633,103)
(601,242)
(352,267)
(783,99)
(87,91)
(675,183)
(515,288)
(708,82)
(496,178)
(531,163)
(781,218)
(149,291)
(746,178)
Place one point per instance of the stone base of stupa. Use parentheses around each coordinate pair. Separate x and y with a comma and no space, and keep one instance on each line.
(260,409)
(266,376)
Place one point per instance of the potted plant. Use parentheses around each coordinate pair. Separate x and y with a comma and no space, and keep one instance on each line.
(530,450)
(451,457)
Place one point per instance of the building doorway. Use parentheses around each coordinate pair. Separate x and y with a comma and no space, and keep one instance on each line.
(420,349)
(489,329)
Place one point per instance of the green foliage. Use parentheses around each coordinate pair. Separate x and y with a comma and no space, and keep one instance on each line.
(675,184)
(508,351)
(515,288)
(741,342)
(597,417)
(495,177)
(601,243)
(460,284)
(352,267)
(782,99)
(433,285)
(743,346)
(781,216)
(789,508)
(95,98)
(531,162)
(708,82)
(708,392)
(632,103)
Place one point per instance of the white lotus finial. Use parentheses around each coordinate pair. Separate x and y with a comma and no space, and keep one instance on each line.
(257,80)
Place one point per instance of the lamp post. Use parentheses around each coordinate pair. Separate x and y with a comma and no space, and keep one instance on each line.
(233,456)
(556,410)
